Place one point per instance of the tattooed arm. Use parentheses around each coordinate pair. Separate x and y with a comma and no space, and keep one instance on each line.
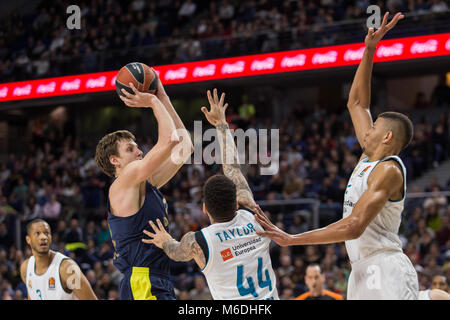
(230,160)
(184,250)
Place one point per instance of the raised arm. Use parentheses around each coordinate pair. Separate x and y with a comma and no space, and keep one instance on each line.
(383,184)
(184,250)
(230,161)
(359,97)
(181,152)
(139,171)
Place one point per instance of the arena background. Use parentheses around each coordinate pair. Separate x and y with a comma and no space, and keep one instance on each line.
(47,144)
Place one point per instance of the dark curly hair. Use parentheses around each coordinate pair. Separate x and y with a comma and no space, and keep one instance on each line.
(219,193)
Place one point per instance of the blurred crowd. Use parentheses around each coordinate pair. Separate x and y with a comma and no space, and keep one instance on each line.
(38,44)
(57,180)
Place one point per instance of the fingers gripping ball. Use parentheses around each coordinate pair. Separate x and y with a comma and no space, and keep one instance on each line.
(142,76)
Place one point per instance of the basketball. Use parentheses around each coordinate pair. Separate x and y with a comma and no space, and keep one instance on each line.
(142,76)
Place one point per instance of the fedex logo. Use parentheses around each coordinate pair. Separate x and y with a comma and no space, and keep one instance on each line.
(226,254)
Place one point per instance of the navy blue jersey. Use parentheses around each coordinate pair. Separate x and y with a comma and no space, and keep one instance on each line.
(127,234)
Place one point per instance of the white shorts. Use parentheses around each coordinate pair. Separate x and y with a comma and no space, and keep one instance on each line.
(386,275)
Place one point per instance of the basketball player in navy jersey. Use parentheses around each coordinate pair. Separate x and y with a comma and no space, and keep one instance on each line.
(134,198)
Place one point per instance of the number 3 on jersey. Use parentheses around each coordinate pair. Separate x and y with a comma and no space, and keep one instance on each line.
(251,285)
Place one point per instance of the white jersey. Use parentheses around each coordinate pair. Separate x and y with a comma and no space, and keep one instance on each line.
(239,264)
(48,285)
(382,232)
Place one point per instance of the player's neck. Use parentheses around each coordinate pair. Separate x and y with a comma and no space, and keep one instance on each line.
(380,154)
(43,260)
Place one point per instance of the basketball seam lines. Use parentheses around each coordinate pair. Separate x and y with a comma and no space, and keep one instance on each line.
(134,76)
(122,84)
(143,85)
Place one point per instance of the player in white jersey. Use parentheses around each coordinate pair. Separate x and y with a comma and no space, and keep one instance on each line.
(233,257)
(374,197)
(50,275)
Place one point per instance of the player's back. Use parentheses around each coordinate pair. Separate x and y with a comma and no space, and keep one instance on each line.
(239,264)
(47,286)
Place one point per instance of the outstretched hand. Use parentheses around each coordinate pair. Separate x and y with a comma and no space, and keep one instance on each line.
(159,237)
(373,37)
(217,113)
(271,230)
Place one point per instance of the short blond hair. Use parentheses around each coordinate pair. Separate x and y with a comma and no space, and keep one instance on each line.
(107,147)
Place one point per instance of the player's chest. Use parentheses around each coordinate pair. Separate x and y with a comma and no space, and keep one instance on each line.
(43,287)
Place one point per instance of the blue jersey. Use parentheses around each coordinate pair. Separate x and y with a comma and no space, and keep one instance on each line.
(127,234)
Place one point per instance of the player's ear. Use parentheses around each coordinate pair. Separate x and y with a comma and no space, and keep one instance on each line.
(388,136)
(204,208)
(28,239)
(114,160)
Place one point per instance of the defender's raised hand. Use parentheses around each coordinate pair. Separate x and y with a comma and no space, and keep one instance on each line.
(138,99)
(217,113)
(373,37)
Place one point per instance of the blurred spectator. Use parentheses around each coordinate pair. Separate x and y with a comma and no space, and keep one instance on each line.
(200,290)
(52,211)
(104,234)
(439,282)
(315,280)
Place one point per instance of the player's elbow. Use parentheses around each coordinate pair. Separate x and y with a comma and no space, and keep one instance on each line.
(354,228)
(352,104)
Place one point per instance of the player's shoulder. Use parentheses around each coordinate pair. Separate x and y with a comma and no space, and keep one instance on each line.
(24,265)
(389,171)
(245,210)
(23,269)
(67,266)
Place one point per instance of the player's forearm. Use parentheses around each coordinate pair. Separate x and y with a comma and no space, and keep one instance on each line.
(230,163)
(166,126)
(177,251)
(343,230)
(360,89)
(186,141)
(173,113)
